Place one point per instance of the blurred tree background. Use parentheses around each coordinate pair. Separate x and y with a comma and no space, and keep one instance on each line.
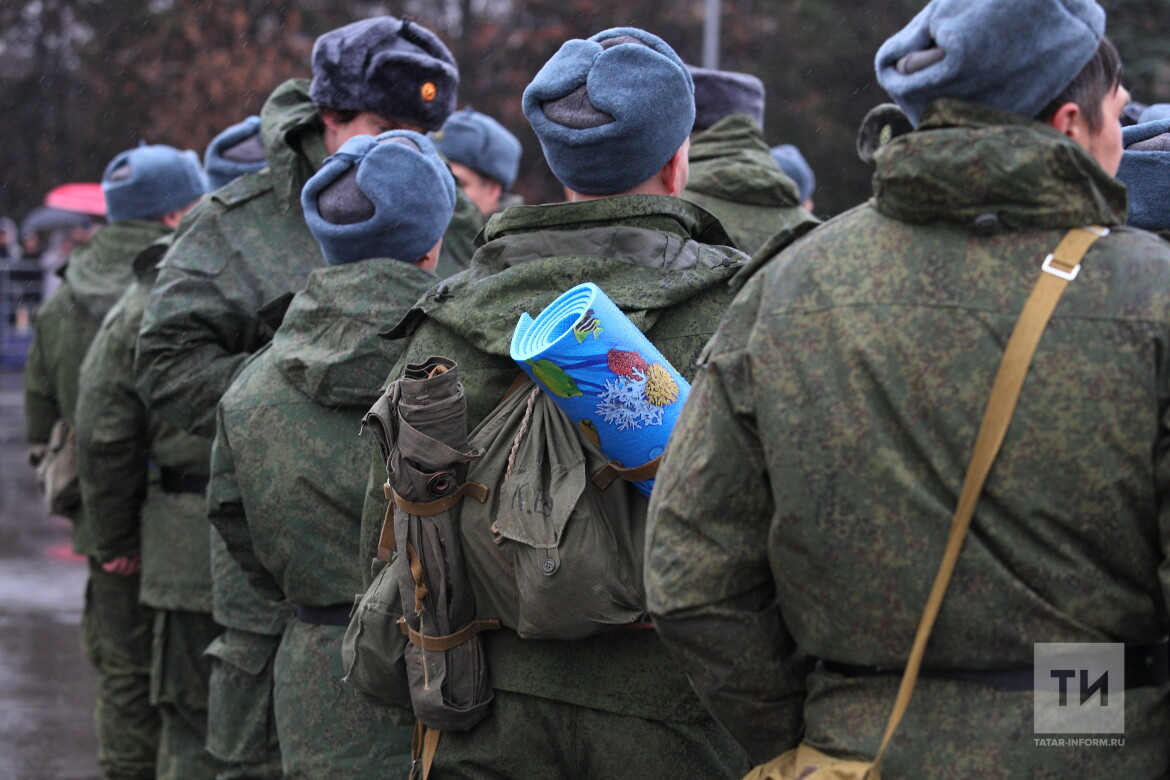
(80,80)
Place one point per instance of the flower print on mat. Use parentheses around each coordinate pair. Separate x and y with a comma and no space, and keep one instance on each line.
(603,373)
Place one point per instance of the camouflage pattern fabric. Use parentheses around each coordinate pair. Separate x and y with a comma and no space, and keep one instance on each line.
(287,488)
(247,245)
(459,240)
(118,440)
(96,276)
(806,494)
(664,263)
(241,726)
(116,639)
(179,676)
(733,176)
(326,730)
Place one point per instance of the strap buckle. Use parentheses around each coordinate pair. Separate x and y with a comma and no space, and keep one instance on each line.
(1069,275)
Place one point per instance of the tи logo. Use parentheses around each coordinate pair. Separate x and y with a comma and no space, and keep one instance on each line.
(1079,688)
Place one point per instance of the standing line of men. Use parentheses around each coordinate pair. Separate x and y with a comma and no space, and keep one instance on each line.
(800,509)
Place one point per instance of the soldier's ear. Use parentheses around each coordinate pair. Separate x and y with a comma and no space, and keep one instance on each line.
(675,173)
(1067,120)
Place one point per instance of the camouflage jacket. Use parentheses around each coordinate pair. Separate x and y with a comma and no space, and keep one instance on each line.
(248,245)
(807,492)
(653,256)
(288,468)
(734,177)
(122,449)
(96,276)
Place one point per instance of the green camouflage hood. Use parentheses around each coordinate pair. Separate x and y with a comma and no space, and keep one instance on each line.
(290,126)
(99,272)
(555,247)
(736,141)
(966,161)
(328,345)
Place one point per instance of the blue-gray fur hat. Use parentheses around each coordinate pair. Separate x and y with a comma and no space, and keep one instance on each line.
(149,182)
(719,93)
(392,67)
(1015,55)
(390,196)
(1145,171)
(792,162)
(482,144)
(234,152)
(1154,113)
(611,111)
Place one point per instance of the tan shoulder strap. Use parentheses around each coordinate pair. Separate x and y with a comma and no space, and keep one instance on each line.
(1059,268)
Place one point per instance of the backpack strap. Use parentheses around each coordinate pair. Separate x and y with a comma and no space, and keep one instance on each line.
(611,471)
(437,644)
(1058,269)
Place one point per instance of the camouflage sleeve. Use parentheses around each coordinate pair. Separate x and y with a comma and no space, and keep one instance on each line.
(459,240)
(40,400)
(708,583)
(195,336)
(225,510)
(113,438)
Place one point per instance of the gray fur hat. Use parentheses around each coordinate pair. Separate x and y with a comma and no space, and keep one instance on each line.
(612,110)
(1145,172)
(1155,112)
(719,93)
(792,162)
(234,152)
(482,144)
(1014,55)
(149,182)
(389,66)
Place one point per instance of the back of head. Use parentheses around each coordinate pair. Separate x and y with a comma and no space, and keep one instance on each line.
(234,152)
(391,67)
(1145,171)
(149,182)
(792,162)
(720,93)
(1014,55)
(390,196)
(611,111)
(482,144)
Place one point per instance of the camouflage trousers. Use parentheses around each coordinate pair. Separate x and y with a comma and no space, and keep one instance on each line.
(178,687)
(326,730)
(540,739)
(116,640)
(241,725)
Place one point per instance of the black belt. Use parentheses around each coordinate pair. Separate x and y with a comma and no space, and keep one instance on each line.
(175,481)
(1146,666)
(335,615)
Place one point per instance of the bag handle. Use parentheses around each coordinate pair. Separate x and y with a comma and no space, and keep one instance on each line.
(1058,269)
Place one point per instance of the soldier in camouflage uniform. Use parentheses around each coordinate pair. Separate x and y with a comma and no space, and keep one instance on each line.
(293,520)
(143,482)
(614,704)
(155,516)
(732,173)
(249,244)
(805,498)
(147,191)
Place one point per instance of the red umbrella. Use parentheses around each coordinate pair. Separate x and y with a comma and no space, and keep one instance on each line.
(81,197)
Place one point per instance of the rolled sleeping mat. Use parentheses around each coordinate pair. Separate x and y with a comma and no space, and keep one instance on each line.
(604,374)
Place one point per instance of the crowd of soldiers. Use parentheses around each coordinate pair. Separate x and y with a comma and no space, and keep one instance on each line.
(213,349)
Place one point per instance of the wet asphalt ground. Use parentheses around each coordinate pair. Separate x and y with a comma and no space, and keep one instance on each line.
(46,686)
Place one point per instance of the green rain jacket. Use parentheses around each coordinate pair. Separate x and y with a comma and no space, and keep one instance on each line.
(658,258)
(806,495)
(289,470)
(95,278)
(733,176)
(123,451)
(248,245)
(287,491)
